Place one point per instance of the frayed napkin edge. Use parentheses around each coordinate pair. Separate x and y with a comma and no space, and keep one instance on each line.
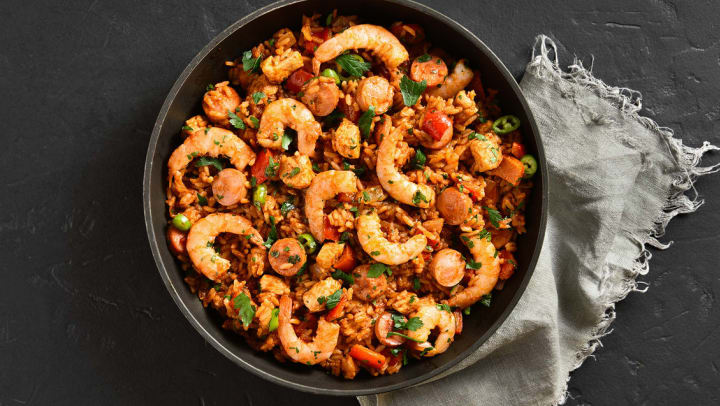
(687,158)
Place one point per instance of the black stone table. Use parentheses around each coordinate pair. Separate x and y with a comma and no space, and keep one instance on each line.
(84,317)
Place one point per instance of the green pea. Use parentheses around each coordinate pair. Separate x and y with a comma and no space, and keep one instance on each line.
(330,73)
(506,124)
(530,165)
(181,222)
(259,195)
(308,242)
(466,311)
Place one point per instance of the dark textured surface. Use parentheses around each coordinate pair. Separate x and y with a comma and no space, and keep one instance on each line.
(84,318)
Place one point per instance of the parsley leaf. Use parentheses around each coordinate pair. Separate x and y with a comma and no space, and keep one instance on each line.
(286,207)
(411,90)
(255,122)
(419,197)
(418,161)
(187,128)
(353,64)
(257,96)
(395,333)
(334,118)
(401,323)
(271,169)
(250,63)
(272,234)
(444,306)
(205,161)
(202,200)
(413,323)
(473,265)
(424,58)
(416,284)
(365,120)
(332,300)
(486,299)
(378,269)
(476,136)
(494,216)
(236,121)
(246,310)
(338,274)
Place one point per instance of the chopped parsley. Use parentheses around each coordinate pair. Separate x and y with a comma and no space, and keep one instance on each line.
(401,323)
(338,274)
(187,128)
(236,121)
(486,299)
(418,161)
(333,119)
(202,200)
(286,207)
(494,216)
(209,87)
(245,309)
(272,234)
(365,121)
(353,64)
(473,265)
(255,122)
(257,96)
(292,172)
(271,169)
(419,197)
(476,136)
(285,141)
(249,63)
(205,161)
(395,333)
(424,58)
(332,300)
(416,284)
(444,306)
(294,259)
(411,90)
(378,269)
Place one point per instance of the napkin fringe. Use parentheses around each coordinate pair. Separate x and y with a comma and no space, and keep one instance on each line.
(544,64)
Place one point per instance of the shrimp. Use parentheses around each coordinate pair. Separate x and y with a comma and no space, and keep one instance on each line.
(202,236)
(373,241)
(432,316)
(214,142)
(377,39)
(288,112)
(486,152)
(325,186)
(319,350)
(485,278)
(393,181)
(460,77)
(218,101)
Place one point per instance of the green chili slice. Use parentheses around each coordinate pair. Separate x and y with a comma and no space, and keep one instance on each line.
(530,165)
(308,242)
(506,124)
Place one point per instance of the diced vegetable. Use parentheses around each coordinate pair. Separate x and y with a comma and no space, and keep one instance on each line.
(297,79)
(436,124)
(259,168)
(510,169)
(330,232)
(367,356)
(274,322)
(181,222)
(346,262)
(259,195)
(518,150)
(331,73)
(336,311)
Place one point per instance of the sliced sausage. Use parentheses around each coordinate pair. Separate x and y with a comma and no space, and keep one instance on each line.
(177,240)
(366,288)
(229,186)
(432,70)
(287,256)
(447,267)
(374,91)
(320,95)
(453,205)
(218,101)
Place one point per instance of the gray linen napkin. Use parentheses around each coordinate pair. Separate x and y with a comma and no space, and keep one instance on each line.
(616,180)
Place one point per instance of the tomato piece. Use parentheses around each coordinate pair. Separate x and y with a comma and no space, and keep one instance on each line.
(518,150)
(330,232)
(345,197)
(261,163)
(297,79)
(336,311)
(346,262)
(367,356)
(436,124)
(177,240)
(458,321)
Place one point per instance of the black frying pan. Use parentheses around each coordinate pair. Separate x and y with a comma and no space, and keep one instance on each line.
(184,101)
